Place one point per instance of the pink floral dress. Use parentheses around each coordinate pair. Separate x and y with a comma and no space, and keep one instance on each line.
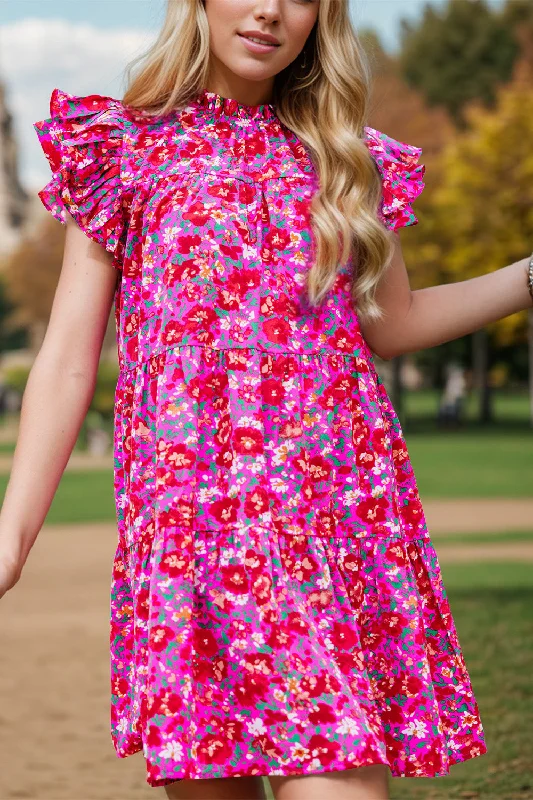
(276,603)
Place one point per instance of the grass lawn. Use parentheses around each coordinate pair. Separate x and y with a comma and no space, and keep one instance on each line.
(498,537)
(508,407)
(491,604)
(472,464)
(80,497)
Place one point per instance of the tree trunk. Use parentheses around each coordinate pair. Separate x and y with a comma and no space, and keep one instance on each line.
(480,360)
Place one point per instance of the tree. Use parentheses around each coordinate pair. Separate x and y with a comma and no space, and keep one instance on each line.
(31,273)
(485,203)
(459,53)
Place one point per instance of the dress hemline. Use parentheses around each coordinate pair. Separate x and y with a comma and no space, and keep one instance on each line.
(458,758)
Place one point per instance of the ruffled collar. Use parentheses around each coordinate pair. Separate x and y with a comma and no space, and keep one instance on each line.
(226,106)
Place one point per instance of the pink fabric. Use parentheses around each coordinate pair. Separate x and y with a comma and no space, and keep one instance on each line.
(276,602)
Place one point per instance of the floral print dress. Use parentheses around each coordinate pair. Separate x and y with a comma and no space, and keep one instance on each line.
(276,603)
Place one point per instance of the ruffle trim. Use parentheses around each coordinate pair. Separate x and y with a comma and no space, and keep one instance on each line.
(83,142)
(403,177)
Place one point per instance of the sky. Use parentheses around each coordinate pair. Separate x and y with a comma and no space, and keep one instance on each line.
(82,47)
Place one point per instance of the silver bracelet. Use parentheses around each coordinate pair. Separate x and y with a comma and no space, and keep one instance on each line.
(530,276)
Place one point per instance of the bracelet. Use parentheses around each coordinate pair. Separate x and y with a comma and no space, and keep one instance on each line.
(530,276)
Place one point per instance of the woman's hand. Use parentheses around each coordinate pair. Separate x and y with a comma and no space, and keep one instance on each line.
(11,563)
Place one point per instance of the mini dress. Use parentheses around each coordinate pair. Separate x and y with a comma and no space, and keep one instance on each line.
(277,606)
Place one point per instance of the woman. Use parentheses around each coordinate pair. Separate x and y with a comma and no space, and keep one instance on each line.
(277,605)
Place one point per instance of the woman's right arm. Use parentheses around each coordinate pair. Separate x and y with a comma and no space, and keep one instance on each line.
(58,393)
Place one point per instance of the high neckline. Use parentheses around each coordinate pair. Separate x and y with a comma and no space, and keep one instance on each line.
(229,107)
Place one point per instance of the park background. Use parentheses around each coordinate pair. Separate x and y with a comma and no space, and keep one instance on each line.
(453,77)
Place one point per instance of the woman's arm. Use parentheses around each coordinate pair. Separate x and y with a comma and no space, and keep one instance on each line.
(415,320)
(58,393)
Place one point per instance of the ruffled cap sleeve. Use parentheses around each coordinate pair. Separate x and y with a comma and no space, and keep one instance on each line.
(83,141)
(402,177)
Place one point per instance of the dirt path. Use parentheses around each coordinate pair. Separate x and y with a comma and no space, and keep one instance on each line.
(54,689)
(494,514)
(499,551)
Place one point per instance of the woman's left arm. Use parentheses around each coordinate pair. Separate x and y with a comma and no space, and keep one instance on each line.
(415,320)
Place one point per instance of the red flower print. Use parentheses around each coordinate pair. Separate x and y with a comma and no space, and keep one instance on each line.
(319,468)
(204,642)
(261,589)
(343,636)
(225,510)
(272,392)
(173,333)
(188,243)
(228,299)
(372,509)
(248,441)
(395,554)
(256,502)
(344,341)
(277,239)
(364,458)
(153,737)
(412,511)
(323,749)
(159,155)
(195,147)
(322,714)
(198,214)
(244,280)
(235,579)
(179,455)
(392,622)
(283,367)
(258,663)
(379,441)
(214,749)
(290,429)
(277,330)
(399,451)
(223,430)
(253,688)
(225,190)
(160,637)
(186,271)
(174,563)
(120,687)
(246,193)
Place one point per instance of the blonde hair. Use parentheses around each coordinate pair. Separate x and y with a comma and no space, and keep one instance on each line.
(326,109)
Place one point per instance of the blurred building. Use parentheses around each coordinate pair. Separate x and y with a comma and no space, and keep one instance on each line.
(14,200)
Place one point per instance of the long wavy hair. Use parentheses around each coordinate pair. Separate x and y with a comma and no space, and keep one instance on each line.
(323,97)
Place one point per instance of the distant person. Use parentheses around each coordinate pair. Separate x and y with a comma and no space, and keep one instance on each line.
(277,606)
(453,396)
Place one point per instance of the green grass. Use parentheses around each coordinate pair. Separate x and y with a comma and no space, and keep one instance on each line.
(491,605)
(498,537)
(80,497)
(508,406)
(470,464)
